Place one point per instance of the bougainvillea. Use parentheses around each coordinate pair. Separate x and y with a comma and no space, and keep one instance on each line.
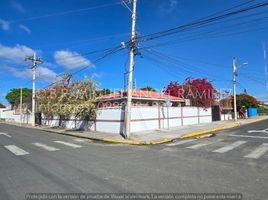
(77,99)
(199,91)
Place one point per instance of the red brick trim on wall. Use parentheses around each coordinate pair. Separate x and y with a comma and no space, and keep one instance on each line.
(149,119)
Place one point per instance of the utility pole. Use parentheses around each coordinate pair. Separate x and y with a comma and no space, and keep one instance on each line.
(234,82)
(265,67)
(130,73)
(35,61)
(21,106)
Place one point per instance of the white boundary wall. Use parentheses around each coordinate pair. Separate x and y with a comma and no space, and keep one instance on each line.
(157,118)
(3,113)
(10,116)
(225,117)
(111,120)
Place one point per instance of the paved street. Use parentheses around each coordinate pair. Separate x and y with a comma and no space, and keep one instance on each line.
(233,161)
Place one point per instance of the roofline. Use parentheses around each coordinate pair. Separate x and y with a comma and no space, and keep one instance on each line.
(138,98)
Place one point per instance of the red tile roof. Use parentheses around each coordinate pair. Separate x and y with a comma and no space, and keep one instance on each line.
(139,94)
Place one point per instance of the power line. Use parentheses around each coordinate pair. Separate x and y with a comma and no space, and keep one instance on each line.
(173,61)
(106,54)
(84,54)
(84,42)
(233,29)
(63,13)
(190,59)
(200,23)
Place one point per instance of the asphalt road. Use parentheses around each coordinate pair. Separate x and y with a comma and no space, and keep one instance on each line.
(234,161)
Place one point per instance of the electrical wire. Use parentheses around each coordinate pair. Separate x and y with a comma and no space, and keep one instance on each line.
(176,62)
(106,54)
(87,41)
(64,13)
(222,31)
(201,22)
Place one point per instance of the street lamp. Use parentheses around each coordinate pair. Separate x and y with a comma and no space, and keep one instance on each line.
(234,81)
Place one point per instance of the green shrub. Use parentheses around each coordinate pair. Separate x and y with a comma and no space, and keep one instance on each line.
(262,110)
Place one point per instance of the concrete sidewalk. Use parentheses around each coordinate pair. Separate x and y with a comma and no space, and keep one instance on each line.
(192,130)
(154,136)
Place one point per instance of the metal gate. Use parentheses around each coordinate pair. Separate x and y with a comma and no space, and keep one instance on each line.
(216,115)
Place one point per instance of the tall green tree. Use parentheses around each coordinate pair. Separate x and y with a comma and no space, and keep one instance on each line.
(2,106)
(103,92)
(245,100)
(148,88)
(13,97)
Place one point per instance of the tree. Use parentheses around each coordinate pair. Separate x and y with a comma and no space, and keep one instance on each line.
(245,100)
(262,110)
(76,100)
(13,97)
(2,106)
(103,92)
(200,91)
(148,88)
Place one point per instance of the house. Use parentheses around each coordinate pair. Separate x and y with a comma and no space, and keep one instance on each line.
(140,98)
(264,104)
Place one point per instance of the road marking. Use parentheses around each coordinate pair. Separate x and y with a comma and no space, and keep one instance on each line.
(197,146)
(16,150)
(46,147)
(258,152)
(82,140)
(169,149)
(259,131)
(180,142)
(249,136)
(5,134)
(229,147)
(69,144)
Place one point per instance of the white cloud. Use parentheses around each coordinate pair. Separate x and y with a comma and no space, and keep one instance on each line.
(4,25)
(18,6)
(46,74)
(25,28)
(71,60)
(169,6)
(42,73)
(15,54)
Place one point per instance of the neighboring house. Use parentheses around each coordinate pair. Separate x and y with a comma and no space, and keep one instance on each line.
(14,115)
(2,113)
(139,98)
(226,108)
(264,104)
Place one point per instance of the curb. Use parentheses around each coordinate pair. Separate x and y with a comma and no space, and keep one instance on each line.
(133,142)
(199,133)
(205,132)
(162,141)
(106,140)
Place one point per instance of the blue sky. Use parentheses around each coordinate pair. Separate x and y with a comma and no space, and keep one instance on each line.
(59,29)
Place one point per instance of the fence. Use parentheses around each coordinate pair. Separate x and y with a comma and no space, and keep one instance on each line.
(111,120)
(225,117)
(11,116)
